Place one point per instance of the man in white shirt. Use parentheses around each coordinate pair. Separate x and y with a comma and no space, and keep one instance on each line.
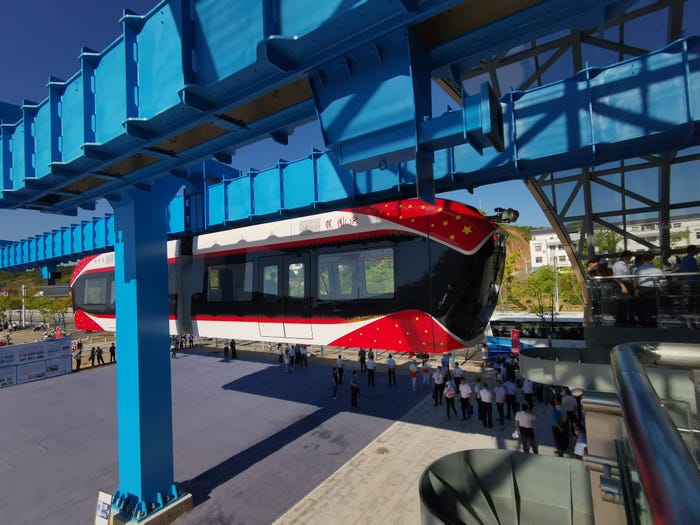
(339,366)
(524,424)
(457,373)
(510,398)
(649,278)
(465,394)
(391,369)
(499,394)
(371,366)
(621,274)
(528,391)
(569,403)
(487,405)
(477,395)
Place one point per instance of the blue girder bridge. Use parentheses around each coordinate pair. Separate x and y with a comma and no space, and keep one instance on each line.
(193,80)
(597,116)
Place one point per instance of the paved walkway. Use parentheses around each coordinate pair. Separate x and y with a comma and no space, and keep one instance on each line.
(251,443)
(380,483)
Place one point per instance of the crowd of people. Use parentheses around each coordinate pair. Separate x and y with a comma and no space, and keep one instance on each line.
(495,395)
(629,290)
(96,355)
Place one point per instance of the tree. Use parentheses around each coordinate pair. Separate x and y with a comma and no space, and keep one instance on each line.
(570,290)
(541,286)
(679,239)
(508,279)
(607,241)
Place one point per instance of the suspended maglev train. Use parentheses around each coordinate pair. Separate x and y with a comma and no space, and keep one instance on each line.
(401,275)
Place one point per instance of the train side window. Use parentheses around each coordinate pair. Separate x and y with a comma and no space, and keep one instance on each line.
(270,282)
(112,295)
(324,281)
(231,282)
(297,284)
(95,290)
(362,274)
(345,280)
(378,266)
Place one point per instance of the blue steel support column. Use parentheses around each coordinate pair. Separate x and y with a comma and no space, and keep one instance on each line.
(144,405)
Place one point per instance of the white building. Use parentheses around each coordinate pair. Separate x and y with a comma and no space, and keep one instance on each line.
(547,250)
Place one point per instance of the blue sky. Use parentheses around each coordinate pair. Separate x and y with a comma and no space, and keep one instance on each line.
(43,38)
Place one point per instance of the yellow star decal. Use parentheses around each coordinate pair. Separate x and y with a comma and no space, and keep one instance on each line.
(458,217)
(452,237)
(445,223)
(467,230)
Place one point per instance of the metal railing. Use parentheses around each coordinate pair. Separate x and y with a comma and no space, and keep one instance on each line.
(667,471)
(666,301)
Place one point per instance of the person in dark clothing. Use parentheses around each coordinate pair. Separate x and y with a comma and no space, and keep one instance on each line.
(78,357)
(98,352)
(112,353)
(362,356)
(336,382)
(232,345)
(354,389)
(92,356)
(557,424)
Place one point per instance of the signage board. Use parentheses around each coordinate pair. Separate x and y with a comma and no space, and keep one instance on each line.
(34,361)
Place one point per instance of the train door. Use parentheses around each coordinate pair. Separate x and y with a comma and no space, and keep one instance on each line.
(296,306)
(270,280)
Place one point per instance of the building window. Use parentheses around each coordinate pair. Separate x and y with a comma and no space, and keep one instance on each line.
(562,258)
(538,248)
(538,260)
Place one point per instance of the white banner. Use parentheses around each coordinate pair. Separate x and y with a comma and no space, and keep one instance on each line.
(34,361)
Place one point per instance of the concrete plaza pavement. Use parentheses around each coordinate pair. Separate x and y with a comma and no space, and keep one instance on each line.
(251,443)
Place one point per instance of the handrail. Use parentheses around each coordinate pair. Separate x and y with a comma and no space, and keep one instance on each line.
(667,471)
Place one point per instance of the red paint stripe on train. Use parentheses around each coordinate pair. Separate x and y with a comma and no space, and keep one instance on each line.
(405,331)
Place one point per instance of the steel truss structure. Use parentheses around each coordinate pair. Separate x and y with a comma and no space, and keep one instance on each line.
(655,189)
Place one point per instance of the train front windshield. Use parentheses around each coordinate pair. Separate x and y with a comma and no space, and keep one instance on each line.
(94,293)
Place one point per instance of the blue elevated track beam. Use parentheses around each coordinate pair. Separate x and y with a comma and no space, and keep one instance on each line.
(645,105)
(197,78)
